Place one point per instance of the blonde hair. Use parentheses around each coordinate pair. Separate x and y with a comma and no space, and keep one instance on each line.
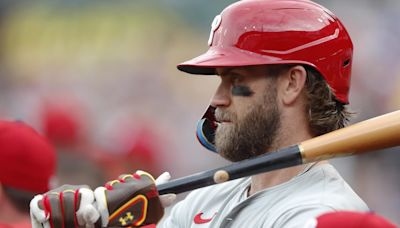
(325,113)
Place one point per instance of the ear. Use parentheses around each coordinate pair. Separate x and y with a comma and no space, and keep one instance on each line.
(292,84)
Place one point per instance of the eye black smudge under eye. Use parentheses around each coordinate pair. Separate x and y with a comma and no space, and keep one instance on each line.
(241,91)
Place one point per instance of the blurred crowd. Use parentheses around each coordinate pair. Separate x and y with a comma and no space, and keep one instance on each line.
(99,79)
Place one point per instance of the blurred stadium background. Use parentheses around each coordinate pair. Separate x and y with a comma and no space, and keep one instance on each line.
(99,79)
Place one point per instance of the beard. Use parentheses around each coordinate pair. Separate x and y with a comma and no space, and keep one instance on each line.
(251,136)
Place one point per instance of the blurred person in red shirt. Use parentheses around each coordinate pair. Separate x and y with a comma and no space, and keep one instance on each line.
(63,121)
(130,145)
(27,168)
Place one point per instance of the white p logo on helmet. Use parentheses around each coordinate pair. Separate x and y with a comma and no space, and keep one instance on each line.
(214,26)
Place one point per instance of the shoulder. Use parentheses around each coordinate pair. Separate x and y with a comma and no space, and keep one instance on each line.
(318,191)
(333,191)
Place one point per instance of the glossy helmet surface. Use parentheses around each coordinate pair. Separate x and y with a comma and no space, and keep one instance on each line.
(262,32)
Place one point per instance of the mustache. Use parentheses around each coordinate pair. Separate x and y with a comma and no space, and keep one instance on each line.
(224,116)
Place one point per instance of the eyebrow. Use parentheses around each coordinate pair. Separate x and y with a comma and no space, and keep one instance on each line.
(228,71)
(223,71)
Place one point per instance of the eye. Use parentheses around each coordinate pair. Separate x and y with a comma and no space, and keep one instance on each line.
(236,79)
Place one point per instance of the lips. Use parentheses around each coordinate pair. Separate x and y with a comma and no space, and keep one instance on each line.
(219,122)
(222,117)
(223,121)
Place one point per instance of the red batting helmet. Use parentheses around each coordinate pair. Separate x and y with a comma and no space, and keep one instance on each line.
(28,160)
(261,32)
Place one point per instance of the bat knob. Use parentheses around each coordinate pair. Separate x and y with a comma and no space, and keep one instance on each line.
(221,176)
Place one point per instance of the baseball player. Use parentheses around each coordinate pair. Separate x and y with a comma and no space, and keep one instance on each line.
(27,166)
(285,70)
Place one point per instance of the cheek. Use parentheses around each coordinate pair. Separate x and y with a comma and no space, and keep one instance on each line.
(244,106)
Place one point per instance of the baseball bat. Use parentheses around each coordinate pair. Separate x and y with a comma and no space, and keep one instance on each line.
(374,134)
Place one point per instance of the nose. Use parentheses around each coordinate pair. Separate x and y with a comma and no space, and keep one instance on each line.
(221,97)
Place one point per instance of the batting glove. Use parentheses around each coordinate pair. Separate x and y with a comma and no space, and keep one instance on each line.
(131,200)
(66,206)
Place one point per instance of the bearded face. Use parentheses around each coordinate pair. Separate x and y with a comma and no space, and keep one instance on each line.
(251,135)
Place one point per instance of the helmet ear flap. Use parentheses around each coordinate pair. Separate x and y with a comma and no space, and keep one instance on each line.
(205,131)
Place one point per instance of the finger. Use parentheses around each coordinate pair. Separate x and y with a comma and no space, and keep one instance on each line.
(163,178)
(69,208)
(167,199)
(101,201)
(142,173)
(90,215)
(52,204)
(112,184)
(37,213)
(85,214)
(124,177)
(34,222)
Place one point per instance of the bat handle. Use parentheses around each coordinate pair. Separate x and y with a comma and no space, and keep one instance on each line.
(267,162)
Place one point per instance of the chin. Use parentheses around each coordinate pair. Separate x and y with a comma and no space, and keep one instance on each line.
(233,156)
(233,159)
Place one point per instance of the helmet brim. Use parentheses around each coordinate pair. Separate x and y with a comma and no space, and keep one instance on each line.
(225,57)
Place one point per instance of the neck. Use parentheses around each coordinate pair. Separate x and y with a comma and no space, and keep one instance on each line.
(265,180)
(294,133)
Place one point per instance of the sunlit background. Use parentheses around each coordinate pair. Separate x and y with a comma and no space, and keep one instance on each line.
(99,79)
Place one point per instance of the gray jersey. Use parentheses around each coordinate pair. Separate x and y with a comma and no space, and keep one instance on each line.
(290,204)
